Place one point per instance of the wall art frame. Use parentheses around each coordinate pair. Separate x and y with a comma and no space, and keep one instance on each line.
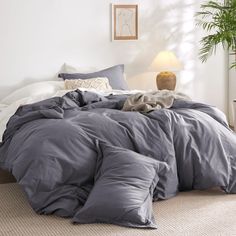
(125,21)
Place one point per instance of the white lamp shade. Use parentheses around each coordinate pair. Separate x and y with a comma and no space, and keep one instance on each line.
(166,61)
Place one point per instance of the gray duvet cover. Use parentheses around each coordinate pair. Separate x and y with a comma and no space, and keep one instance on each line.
(51,147)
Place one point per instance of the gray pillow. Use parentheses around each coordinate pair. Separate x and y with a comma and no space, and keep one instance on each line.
(114,74)
(123,189)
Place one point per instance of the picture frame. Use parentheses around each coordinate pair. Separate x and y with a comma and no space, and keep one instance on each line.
(125,21)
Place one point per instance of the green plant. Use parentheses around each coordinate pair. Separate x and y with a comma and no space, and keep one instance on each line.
(218,18)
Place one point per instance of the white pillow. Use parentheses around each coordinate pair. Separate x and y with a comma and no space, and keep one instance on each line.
(99,83)
(45,88)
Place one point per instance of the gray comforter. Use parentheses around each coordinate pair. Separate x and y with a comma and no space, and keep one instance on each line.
(51,147)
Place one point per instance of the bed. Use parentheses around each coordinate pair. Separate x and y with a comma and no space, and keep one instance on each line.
(70,149)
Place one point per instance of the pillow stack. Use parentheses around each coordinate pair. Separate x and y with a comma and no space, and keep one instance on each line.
(114,75)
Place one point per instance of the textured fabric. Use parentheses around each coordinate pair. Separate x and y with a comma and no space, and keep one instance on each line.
(50,147)
(129,179)
(94,83)
(146,102)
(195,213)
(115,75)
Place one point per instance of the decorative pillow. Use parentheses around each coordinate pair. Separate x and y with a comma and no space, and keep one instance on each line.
(123,189)
(95,83)
(114,75)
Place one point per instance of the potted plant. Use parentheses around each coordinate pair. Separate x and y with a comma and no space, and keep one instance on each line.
(218,19)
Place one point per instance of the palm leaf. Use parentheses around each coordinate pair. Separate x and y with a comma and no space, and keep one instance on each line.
(219,20)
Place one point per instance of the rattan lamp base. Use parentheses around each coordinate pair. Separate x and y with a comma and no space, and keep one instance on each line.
(166,80)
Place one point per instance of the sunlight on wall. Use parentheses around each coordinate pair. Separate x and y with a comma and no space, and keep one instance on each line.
(173,27)
(187,47)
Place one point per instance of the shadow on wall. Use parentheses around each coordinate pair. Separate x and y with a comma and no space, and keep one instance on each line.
(172,28)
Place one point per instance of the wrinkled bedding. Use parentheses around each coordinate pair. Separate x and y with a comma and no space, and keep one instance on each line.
(150,101)
(51,147)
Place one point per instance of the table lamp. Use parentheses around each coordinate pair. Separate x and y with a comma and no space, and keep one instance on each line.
(166,63)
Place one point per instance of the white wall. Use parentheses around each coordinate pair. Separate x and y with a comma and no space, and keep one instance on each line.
(38,36)
(232,91)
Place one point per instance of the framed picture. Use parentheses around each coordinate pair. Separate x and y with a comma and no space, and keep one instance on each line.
(125,22)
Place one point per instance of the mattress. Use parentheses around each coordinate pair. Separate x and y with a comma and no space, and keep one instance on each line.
(190,213)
